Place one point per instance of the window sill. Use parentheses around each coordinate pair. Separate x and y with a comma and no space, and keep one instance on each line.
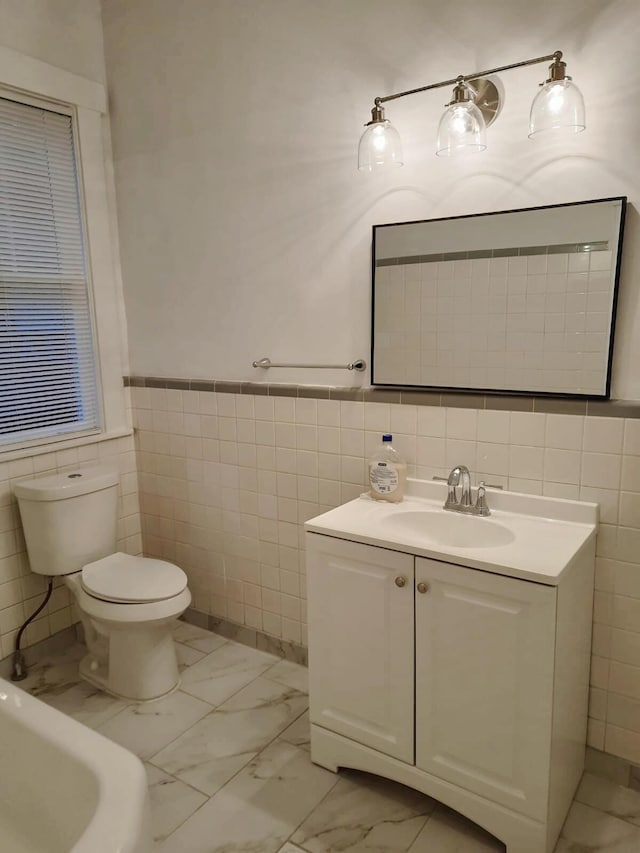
(64,444)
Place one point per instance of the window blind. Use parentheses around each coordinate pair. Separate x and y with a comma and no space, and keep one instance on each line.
(47,366)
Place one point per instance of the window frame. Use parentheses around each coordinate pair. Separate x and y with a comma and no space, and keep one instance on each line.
(27,80)
(70,111)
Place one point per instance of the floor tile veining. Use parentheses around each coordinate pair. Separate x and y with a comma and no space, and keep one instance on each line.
(227,760)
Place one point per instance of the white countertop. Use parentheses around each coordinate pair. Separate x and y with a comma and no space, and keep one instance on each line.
(548,533)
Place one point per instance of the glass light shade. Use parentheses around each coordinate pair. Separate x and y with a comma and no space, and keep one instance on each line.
(558,107)
(380,147)
(462,130)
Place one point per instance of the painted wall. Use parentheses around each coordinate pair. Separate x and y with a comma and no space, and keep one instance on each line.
(66,34)
(245,226)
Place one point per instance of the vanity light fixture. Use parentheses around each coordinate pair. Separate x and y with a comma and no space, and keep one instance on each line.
(380,144)
(476,102)
(462,128)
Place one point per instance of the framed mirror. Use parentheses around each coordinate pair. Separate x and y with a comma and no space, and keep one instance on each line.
(519,301)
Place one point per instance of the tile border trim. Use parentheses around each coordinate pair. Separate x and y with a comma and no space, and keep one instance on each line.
(252,637)
(407,396)
(508,252)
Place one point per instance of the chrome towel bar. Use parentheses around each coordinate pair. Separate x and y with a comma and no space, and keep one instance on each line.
(359,364)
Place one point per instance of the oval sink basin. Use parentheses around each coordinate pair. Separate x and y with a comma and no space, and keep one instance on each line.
(449,529)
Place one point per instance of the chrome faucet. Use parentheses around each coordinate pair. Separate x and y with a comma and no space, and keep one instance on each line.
(460,472)
(460,476)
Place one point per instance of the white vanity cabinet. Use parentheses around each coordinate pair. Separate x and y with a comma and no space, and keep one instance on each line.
(363,644)
(484,682)
(466,684)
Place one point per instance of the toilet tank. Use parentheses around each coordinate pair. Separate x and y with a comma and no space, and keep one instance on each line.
(69,519)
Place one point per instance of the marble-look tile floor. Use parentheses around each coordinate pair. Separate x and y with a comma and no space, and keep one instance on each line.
(227,759)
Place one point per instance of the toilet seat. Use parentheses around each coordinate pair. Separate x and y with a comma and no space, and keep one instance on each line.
(123,579)
(126,613)
(116,614)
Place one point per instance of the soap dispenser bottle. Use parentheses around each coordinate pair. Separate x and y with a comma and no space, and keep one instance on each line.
(387,472)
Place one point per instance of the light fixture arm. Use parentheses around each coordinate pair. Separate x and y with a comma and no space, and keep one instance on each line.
(557,64)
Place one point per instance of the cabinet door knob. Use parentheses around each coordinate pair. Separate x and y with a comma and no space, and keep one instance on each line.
(400,581)
(423,587)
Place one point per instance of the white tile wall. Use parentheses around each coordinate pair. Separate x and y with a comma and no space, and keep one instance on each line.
(228,507)
(539,322)
(20,590)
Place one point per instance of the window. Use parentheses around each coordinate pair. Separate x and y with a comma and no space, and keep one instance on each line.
(48,379)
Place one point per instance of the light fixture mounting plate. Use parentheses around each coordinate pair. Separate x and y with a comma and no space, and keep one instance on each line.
(489,97)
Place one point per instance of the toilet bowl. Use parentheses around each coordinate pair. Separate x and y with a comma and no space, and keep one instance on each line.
(128,605)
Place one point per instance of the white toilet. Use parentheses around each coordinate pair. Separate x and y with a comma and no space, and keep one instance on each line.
(128,604)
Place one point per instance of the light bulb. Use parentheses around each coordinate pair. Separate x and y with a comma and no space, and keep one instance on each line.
(558,107)
(461,130)
(380,147)
(379,139)
(556,98)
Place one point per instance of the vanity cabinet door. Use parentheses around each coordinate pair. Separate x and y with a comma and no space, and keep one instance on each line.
(484,680)
(361,643)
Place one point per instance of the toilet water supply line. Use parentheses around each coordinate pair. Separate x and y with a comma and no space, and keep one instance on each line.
(19,672)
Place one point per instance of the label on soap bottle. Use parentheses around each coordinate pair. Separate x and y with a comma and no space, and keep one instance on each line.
(383,477)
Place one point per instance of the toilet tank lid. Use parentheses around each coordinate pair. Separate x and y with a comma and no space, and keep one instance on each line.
(69,484)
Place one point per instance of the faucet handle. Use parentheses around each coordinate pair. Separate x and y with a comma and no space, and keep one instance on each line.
(481,500)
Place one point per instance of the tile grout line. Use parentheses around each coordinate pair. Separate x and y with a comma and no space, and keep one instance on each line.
(209,797)
(244,766)
(317,805)
(157,842)
(175,778)
(338,779)
(427,819)
(214,707)
(184,693)
(188,817)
